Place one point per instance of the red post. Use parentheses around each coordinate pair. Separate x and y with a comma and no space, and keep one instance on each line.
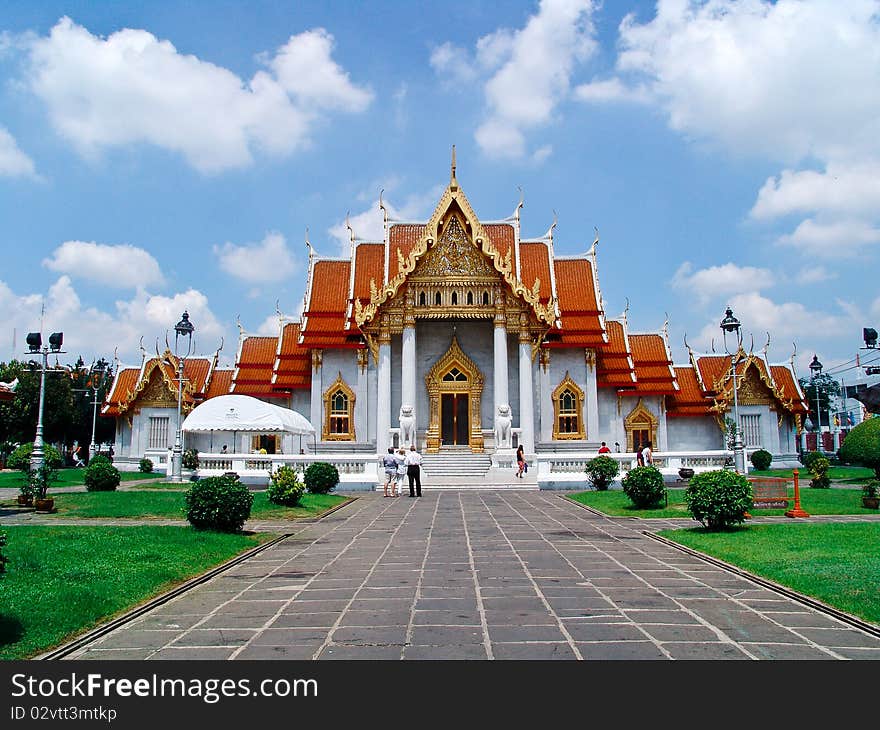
(797,511)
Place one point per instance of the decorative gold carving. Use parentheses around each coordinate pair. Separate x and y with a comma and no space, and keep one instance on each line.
(346,417)
(590,358)
(363,357)
(568,390)
(544,354)
(454,255)
(157,393)
(473,386)
(640,418)
(752,391)
(317,359)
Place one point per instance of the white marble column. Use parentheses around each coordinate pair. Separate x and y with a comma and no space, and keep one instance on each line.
(383,401)
(408,372)
(360,403)
(526,395)
(591,395)
(500,372)
(316,403)
(545,402)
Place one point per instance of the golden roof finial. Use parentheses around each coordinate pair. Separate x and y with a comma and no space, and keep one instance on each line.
(453,183)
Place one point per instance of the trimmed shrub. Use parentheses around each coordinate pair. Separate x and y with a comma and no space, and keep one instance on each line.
(20,459)
(601,471)
(809,457)
(761,459)
(100,459)
(644,486)
(862,445)
(222,504)
(718,499)
(190,459)
(321,477)
(285,487)
(101,476)
(145,465)
(819,470)
(39,480)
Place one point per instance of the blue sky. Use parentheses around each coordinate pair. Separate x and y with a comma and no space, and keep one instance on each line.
(156,157)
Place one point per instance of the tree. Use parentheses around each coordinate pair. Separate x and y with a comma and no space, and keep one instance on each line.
(819,390)
(862,445)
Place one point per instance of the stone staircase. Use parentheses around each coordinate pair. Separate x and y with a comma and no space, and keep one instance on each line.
(455,463)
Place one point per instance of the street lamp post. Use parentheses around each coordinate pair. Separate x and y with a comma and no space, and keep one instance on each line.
(815,372)
(184,328)
(730,325)
(35,345)
(93,447)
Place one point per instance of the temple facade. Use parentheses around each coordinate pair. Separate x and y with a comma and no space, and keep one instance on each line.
(460,336)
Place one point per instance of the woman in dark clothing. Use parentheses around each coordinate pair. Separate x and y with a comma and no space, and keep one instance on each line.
(520,461)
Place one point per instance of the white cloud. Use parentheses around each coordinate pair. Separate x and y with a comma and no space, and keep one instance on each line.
(530,69)
(721,281)
(269,326)
(93,333)
(304,67)
(610,90)
(847,189)
(831,240)
(14,162)
(814,275)
(267,261)
(368,225)
(121,266)
(134,88)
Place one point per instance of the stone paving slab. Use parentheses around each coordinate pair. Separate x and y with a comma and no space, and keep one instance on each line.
(480,575)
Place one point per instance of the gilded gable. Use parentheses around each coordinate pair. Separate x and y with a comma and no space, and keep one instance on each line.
(157,393)
(454,255)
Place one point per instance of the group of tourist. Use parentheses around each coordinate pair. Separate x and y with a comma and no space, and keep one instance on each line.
(400,465)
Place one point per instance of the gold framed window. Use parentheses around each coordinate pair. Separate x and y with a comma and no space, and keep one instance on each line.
(568,410)
(641,427)
(339,412)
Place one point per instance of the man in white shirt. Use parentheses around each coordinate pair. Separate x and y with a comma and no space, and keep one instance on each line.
(413,471)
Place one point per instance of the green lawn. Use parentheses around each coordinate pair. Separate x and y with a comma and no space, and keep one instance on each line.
(837,501)
(147,504)
(69,478)
(62,581)
(844,474)
(839,564)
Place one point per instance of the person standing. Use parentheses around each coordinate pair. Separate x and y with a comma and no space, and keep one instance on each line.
(520,461)
(413,471)
(603,449)
(77,457)
(647,455)
(389,464)
(399,457)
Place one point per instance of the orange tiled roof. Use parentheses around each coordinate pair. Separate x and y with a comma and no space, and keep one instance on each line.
(253,369)
(123,386)
(221,382)
(652,364)
(788,387)
(369,264)
(325,317)
(690,399)
(613,364)
(502,236)
(403,236)
(196,371)
(292,369)
(534,263)
(578,305)
(714,369)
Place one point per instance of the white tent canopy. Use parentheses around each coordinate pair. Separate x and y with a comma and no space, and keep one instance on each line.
(243,413)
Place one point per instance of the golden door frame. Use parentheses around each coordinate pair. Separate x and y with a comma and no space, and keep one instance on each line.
(640,418)
(473,386)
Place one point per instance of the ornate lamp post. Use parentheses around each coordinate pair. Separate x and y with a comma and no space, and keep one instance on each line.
(35,345)
(815,372)
(730,325)
(184,328)
(93,447)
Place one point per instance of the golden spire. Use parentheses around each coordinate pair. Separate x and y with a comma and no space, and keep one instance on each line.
(453,183)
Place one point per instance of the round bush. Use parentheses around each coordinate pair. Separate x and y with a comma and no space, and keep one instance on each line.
(809,457)
(862,445)
(644,486)
(719,499)
(145,465)
(101,476)
(100,459)
(321,477)
(190,459)
(20,459)
(222,504)
(601,471)
(761,459)
(819,470)
(285,487)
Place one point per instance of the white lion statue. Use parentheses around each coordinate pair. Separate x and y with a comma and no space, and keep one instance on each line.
(502,427)
(407,425)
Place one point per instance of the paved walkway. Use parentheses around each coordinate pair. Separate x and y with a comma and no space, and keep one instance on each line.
(479,575)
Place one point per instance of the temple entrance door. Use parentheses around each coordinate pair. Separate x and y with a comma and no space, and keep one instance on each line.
(454,419)
(641,436)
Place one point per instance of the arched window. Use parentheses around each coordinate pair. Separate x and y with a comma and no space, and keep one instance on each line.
(422,300)
(339,412)
(437,299)
(470,298)
(485,299)
(568,410)
(455,297)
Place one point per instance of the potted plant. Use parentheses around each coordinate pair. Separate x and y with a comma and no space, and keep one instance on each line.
(871,494)
(40,479)
(26,498)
